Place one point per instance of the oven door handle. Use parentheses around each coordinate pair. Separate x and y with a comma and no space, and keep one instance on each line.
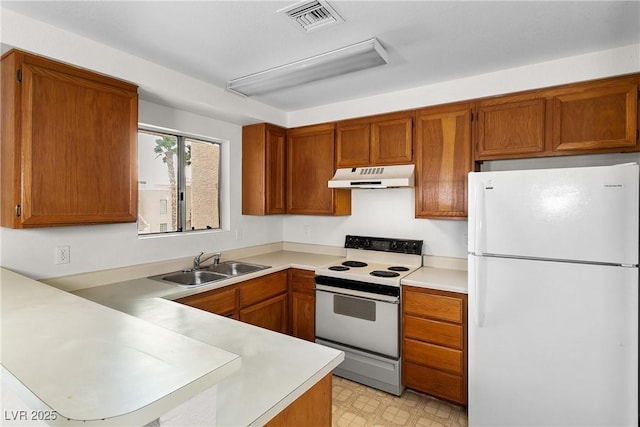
(357,294)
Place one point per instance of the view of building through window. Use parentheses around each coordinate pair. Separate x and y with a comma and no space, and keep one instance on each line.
(177,192)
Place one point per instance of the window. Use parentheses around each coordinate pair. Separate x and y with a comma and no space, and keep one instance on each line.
(178,187)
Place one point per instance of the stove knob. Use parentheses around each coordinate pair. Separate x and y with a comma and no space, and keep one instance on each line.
(394,245)
(415,248)
(366,243)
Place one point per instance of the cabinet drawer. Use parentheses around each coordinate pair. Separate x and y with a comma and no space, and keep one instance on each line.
(262,288)
(434,331)
(440,307)
(221,302)
(302,280)
(433,355)
(434,382)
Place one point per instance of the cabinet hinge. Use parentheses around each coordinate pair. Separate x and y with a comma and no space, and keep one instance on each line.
(18,210)
(19,75)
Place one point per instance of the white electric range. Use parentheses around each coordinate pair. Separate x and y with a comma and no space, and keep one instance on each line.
(358,307)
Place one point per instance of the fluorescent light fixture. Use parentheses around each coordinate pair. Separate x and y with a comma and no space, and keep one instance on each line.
(356,57)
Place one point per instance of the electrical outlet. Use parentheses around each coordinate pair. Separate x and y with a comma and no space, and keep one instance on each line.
(62,255)
(239,233)
(306,230)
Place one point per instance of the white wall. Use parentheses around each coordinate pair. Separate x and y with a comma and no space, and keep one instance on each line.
(381,213)
(31,252)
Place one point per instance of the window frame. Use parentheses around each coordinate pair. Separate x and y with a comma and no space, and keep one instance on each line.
(181,180)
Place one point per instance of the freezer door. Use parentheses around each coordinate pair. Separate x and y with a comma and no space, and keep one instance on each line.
(583,214)
(552,344)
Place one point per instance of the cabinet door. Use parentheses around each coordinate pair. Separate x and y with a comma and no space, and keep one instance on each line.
(443,160)
(263,169)
(352,144)
(511,127)
(275,165)
(310,166)
(596,117)
(77,141)
(269,314)
(303,310)
(303,303)
(392,140)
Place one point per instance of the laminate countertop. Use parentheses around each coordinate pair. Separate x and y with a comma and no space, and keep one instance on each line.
(81,363)
(443,279)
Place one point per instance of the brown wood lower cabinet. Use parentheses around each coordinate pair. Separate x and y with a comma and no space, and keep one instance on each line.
(303,304)
(313,408)
(219,301)
(262,301)
(434,342)
(269,314)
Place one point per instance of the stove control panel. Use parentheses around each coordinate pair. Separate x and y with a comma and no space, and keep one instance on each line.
(412,247)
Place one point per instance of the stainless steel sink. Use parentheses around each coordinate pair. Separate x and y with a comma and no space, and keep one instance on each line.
(235,268)
(190,279)
(205,275)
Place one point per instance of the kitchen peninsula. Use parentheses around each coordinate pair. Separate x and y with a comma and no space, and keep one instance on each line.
(259,375)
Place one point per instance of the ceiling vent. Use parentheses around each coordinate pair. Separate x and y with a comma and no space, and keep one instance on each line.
(312,15)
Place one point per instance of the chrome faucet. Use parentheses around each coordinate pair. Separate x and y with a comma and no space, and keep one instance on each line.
(197,261)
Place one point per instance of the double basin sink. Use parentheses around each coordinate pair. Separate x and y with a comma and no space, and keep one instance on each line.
(206,275)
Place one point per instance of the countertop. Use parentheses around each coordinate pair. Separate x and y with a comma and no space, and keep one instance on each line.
(443,279)
(276,369)
(95,366)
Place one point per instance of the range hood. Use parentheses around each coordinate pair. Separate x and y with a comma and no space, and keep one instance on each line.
(374,177)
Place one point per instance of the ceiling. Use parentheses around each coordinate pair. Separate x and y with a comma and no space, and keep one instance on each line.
(427,41)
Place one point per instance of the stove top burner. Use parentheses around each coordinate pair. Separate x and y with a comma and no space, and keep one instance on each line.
(382,273)
(398,268)
(354,264)
(338,268)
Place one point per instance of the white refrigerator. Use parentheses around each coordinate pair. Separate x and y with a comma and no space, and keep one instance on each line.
(553,297)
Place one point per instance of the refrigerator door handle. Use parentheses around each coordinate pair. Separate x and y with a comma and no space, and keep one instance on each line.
(478,225)
(476,267)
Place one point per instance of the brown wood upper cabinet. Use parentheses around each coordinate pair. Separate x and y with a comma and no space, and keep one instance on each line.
(377,140)
(596,116)
(589,117)
(310,166)
(263,169)
(69,143)
(511,126)
(443,160)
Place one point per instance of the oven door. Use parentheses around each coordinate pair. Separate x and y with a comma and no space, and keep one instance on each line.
(369,322)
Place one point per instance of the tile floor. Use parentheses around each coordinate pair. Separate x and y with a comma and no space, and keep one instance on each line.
(357,405)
